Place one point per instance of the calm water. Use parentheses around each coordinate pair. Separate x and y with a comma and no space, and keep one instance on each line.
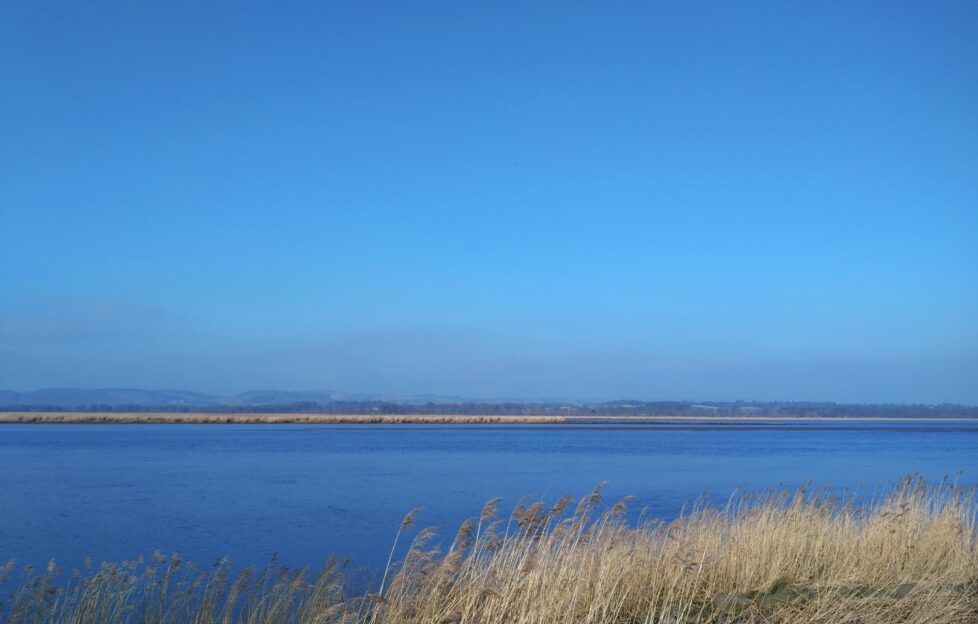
(114,492)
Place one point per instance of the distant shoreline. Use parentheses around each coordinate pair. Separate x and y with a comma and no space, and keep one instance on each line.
(407,419)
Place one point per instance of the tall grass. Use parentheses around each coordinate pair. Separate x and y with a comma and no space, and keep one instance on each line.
(260,419)
(908,556)
(396,419)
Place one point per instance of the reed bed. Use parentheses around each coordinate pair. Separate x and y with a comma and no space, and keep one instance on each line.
(431,419)
(253,419)
(909,555)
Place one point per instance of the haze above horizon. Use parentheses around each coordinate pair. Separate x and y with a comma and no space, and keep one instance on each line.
(763,201)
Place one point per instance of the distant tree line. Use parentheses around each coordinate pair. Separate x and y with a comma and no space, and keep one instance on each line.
(614,408)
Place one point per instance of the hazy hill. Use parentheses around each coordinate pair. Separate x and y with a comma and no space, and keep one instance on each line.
(70,398)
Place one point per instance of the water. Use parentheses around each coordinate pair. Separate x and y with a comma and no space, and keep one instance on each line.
(114,492)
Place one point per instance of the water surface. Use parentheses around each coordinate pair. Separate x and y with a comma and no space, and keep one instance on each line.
(114,492)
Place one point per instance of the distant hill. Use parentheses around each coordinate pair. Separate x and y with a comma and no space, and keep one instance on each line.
(275,397)
(67,398)
(70,397)
(325,402)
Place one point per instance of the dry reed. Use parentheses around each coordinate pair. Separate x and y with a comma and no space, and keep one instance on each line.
(258,418)
(909,556)
(434,419)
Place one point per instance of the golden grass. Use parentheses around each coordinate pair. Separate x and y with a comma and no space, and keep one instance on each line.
(308,419)
(778,557)
(422,419)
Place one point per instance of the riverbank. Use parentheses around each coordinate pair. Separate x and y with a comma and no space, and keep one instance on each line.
(785,557)
(258,418)
(422,419)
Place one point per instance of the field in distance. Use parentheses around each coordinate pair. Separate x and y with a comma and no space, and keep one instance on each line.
(392,419)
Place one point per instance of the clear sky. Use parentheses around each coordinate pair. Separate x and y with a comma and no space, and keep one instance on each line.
(725,200)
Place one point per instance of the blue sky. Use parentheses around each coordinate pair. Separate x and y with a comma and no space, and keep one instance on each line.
(536,200)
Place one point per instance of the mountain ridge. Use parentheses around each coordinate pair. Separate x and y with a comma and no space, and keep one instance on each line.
(65,397)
